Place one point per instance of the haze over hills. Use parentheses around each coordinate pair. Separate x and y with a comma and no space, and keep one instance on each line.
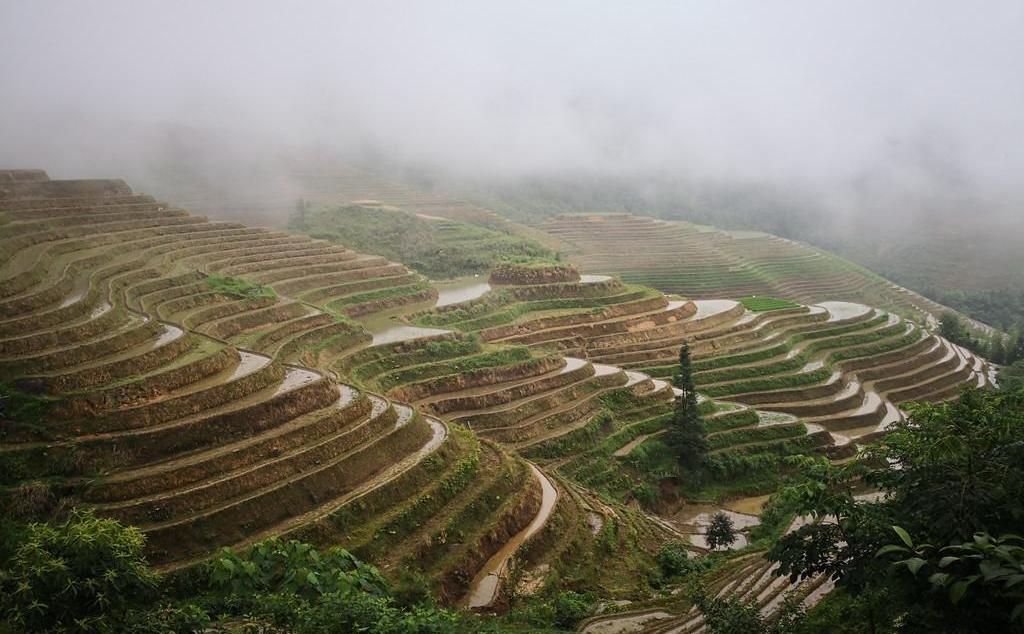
(474,318)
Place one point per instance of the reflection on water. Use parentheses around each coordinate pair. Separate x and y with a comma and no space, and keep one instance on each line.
(460,290)
(402,332)
(839,311)
(389,326)
(695,518)
(708,307)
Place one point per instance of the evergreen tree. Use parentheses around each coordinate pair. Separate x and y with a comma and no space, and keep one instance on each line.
(687,435)
(997,348)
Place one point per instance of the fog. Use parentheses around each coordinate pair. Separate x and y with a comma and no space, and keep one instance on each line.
(851,108)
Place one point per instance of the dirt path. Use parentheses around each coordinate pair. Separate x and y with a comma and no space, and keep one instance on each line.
(484,587)
(636,442)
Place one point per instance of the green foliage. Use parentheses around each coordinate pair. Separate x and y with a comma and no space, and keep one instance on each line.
(686,435)
(677,561)
(1011,378)
(439,249)
(563,609)
(79,576)
(985,571)
(596,429)
(1003,308)
(371,362)
(733,615)
(239,288)
(959,479)
(721,532)
(961,466)
(167,618)
(952,327)
(762,304)
(500,307)
(361,612)
(293,567)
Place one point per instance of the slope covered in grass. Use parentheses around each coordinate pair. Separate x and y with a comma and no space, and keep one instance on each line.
(438,248)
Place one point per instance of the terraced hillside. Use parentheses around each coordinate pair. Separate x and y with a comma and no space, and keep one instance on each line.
(215,384)
(181,375)
(832,373)
(149,372)
(702,262)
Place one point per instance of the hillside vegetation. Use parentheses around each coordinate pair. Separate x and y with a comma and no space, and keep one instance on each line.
(437,248)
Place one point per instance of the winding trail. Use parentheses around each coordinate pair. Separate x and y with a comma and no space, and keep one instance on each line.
(636,442)
(484,587)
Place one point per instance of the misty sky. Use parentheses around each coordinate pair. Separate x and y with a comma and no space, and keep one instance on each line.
(920,96)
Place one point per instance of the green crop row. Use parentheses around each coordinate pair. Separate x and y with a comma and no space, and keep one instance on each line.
(731,420)
(383,293)
(848,341)
(742,358)
(839,330)
(429,352)
(910,338)
(744,372)
(771,383)
(766,433)
(762,304)
(496,358)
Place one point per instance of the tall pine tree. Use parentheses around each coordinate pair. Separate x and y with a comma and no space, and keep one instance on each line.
(686,436)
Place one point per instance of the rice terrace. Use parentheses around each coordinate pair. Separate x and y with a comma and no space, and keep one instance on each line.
(258,379)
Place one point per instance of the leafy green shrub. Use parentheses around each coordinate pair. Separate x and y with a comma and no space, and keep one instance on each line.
(293,567)
(563,609)
(82,575)
(675,560)
(167,619)
(360,612)
(571,608)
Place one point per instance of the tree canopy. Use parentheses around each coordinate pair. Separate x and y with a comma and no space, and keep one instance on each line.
(950,476)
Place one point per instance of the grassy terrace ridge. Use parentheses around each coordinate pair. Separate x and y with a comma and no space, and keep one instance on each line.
(238,287)
(502,306)
(704,262)
(759,304)
(440,249)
